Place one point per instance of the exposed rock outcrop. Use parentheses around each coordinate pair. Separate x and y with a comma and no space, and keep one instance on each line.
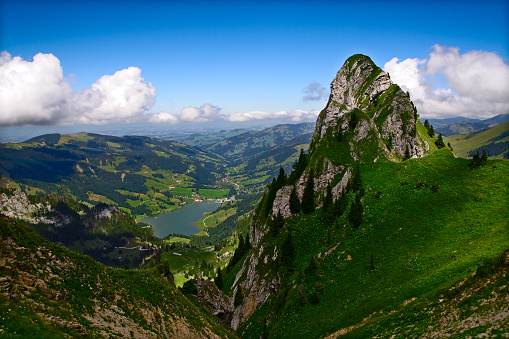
(218,303)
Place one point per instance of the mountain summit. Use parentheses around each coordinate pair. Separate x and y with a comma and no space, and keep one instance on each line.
(365,102)
(366,224)
(367,118)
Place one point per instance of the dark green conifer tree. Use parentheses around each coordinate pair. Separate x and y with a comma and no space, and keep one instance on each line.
(281,179)
(327,200)
(356,180)
(294,202)
(431,131)
(288,252)
(308,197)
(407,152)
(340,205)
(356,211)
(426,124)
(484,157)
(219,279)
(440,142)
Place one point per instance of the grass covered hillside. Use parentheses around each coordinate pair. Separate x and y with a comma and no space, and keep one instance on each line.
(144,175)
(426,224)
(379,217)
(47,291)
(494,140)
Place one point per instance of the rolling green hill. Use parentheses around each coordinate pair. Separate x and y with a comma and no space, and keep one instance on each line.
(242,147)
(462,125)
(495,140)
(144,175)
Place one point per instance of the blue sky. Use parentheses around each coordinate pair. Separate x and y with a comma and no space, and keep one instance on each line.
(217,58)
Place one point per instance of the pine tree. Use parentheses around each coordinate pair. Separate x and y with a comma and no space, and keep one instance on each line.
(431,131)
(280,221)
(298,167)
(219,279)
(484,157)
(407,152)
(356,211)
(294,202)
(327,200)
(440,142)
(281,179)
(287,252)
(426,124)
(340,205)
(308,197)
(356,179)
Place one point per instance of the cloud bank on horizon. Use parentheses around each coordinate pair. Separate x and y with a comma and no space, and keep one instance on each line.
(477,83)
(37,93)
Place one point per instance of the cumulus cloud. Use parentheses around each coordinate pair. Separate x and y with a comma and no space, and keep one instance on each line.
(204,113)
(32,92)
(295,116)
(121,97)
(314,92)
(36,93)
(477,83)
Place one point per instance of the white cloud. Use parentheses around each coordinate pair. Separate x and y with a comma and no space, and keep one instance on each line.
(121,97)
(204,113)
(314,92)
(36,93)
(163,118)
(32,92)
(295,116)
(478,83)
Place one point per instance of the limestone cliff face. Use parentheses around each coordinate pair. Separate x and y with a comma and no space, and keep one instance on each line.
(361,85)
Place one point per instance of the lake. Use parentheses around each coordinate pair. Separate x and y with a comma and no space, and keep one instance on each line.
(181,221)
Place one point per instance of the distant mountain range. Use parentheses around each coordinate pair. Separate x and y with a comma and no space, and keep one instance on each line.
(462,125)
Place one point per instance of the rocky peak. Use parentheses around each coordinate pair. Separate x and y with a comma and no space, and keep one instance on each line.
(385,113)
(356,84)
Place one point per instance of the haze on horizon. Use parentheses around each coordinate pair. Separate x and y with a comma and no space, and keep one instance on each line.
(66,66)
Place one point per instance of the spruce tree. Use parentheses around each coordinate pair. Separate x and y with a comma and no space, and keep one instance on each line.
(340,205)
(308,198)
(294,202)
(288,252)
(407,152)
(327,200)
(431,131)
(356,180)
(440,142)
(356,211)
(281,179)
(219,279)
(484,157)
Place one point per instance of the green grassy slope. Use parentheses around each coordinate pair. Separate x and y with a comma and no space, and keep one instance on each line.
(50,292)
(464,143)
(136,173)
(412,243)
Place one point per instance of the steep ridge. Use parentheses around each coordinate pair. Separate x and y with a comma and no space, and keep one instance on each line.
(367,118)
(47,291)
(403,226)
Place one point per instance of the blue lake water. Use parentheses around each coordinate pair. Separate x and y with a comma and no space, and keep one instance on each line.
(181,221)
